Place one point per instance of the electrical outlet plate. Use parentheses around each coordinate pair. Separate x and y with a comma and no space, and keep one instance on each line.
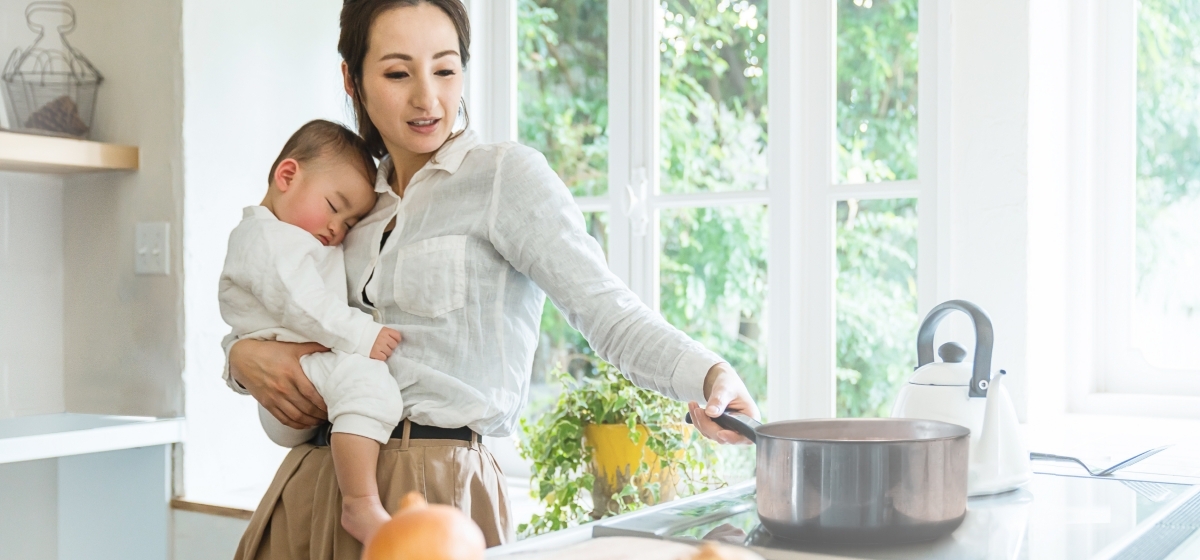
(152,253)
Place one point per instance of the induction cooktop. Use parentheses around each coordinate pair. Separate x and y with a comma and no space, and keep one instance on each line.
(1053,517)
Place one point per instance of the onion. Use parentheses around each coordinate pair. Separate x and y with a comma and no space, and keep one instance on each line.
(419,531)
(712,551)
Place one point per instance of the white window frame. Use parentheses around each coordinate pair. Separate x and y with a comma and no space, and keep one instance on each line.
(803,40)
(1108,375)
(801,195)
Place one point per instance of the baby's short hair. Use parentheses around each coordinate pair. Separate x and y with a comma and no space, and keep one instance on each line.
(319,138)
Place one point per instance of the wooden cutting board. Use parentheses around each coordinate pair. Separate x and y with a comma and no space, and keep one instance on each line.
(614,548)
(622,548)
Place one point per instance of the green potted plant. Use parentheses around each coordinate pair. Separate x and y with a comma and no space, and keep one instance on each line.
(608,447)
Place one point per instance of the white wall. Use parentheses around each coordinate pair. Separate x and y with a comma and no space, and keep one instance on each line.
(31,294)
(124,333)
(1050,123)
(250,81)
(31,271)
(199,536)
(987,223)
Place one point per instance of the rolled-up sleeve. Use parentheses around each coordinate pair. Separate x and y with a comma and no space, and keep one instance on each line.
(535,224)
(227,345)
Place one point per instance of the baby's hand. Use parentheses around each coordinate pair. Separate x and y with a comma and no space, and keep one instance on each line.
(385,343)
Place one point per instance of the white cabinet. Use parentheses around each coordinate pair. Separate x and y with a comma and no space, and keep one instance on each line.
(86,486)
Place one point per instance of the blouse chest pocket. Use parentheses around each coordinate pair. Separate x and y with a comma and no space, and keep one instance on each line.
(431,276)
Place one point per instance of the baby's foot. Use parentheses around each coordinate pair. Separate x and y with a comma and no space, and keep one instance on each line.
(362,516)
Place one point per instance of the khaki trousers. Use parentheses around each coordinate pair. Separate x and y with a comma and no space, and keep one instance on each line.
(299,518)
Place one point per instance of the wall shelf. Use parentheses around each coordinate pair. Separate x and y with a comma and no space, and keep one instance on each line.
(49,154)
(44,436)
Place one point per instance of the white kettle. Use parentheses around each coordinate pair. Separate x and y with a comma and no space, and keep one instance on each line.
(951,391)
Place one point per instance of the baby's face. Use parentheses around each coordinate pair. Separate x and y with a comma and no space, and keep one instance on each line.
(327,197)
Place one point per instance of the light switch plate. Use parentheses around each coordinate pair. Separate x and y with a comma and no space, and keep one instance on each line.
(152,253)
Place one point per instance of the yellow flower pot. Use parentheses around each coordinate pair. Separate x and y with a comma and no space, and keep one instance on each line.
(615,458)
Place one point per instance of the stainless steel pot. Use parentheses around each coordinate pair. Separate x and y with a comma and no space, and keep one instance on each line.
(885,480)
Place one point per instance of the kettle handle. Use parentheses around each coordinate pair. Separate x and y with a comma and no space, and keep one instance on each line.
(981,372)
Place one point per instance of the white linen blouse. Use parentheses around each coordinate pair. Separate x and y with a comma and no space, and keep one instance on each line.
(483,234)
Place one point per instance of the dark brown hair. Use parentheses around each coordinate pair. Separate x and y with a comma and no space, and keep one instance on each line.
(321,138)
(357,18)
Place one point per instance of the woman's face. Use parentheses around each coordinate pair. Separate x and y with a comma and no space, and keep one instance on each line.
(412,78)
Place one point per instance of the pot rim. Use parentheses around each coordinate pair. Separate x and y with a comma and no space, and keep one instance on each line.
(960,432)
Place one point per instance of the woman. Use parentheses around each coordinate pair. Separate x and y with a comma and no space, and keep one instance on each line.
(456,254)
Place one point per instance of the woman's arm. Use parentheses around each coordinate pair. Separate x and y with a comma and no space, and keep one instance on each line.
(537,227)
(271,372)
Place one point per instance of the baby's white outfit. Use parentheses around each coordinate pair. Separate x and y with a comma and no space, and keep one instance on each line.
(280,283)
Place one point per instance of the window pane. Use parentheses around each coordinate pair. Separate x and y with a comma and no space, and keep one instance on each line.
(562,89)
(713,95)
(561,346)
(713,283)
(876,303)
(1166,310)
(876,91)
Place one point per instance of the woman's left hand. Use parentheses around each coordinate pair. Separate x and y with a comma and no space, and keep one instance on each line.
(724,389)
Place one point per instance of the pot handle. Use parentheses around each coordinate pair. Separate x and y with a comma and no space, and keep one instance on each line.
(981,372)
(735,421)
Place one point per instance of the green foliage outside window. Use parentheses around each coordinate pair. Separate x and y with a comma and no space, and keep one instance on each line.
(713,129)
(713,96)
(876,91)
(876,303)
(1168,125)
(876,240)
(563,92)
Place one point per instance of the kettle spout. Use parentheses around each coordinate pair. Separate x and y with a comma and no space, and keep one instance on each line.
(999,458)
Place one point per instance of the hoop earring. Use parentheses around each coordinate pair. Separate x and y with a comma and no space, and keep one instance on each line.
(462,111)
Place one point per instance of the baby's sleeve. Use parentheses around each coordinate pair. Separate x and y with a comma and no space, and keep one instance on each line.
(226,345)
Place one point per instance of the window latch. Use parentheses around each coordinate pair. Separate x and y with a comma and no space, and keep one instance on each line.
(636,208)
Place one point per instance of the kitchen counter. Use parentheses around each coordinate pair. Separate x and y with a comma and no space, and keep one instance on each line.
(1054,517)
(45,436)
(1108,438)
(1060,515)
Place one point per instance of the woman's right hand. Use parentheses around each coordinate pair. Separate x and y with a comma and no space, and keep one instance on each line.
(271,372)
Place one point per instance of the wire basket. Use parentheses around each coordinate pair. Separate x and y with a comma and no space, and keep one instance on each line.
(51,87)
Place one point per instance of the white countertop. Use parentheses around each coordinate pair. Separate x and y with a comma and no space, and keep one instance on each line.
(44,436)
(1086,436)
(1101,439)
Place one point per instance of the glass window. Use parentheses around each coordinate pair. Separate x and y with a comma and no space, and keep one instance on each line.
(713,283)
(562,88)
(713,95)
(876,91)
(876,303)
(1166,310)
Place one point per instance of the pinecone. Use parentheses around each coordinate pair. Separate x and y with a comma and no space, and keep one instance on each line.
(60,115)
